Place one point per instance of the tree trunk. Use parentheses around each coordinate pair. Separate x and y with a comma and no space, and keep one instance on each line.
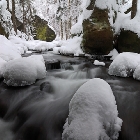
(13,16)
(24,19)
(8,5)
(134,8)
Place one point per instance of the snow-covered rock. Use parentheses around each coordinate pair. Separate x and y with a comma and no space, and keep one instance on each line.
(124,64)
(97,63)
(93,113)
(7,49)
(2,66)
(136,74)
(113,53)
(24,71)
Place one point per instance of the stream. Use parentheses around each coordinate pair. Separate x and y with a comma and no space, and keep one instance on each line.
(39,111)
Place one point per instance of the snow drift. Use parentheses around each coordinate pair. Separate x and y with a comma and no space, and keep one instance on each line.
(24,71)
(93,113)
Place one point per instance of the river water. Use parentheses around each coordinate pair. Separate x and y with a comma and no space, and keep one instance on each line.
(39,111)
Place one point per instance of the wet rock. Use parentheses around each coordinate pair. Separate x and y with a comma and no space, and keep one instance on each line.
(97,33)
(128,41)
(67,66)
(85,66)
(46,87)
(52,64)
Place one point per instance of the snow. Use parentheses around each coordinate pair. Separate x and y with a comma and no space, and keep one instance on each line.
(70,46)
(97,63)
(7,49)
(92,113)
(113,53)
(136,74)
(24,71)
(124,64)
(2,66)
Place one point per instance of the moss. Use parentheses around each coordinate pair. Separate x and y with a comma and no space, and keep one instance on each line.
(128,42)
(41,33)
(97,33)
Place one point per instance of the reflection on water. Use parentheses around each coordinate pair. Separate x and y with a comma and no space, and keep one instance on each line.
(38,112)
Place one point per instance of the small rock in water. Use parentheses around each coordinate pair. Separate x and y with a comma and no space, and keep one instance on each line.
(67,66)
(46,87)
(52,64)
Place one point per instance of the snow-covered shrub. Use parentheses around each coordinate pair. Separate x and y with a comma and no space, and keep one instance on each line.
(24,71)
(93,113)
(124,64)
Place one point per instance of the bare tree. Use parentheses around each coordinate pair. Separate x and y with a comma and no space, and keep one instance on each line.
(134,8)
(13,16)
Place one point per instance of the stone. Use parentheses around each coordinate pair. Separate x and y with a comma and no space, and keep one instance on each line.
(46,87)
(128,41)
(52,64)
(43,31)
(97,33)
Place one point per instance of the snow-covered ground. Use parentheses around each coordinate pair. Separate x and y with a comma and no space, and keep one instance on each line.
(92,113)
(125,65)
(24,71)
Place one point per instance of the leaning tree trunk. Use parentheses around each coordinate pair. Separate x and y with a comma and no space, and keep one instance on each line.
(134,8)
(13,16)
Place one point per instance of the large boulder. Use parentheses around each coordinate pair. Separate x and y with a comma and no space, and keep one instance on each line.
(128,41)
(97,32)
(43,31)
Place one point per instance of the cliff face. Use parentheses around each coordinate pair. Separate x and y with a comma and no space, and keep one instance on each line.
(97,32)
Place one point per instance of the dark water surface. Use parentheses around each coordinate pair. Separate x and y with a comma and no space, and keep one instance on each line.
(39,111)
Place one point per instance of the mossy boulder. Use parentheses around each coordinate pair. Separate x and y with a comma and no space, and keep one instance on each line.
(128,41)
(97,32)
(43,31)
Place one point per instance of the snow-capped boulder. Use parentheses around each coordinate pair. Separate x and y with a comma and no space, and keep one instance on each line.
(24,71)
(2,66)
(124,64)
(93,113)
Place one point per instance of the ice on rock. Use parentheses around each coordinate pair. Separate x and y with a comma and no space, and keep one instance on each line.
(93,113)
(124,64)
(24,71)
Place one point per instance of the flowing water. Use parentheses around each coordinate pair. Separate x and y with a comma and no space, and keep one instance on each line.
(39,111)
